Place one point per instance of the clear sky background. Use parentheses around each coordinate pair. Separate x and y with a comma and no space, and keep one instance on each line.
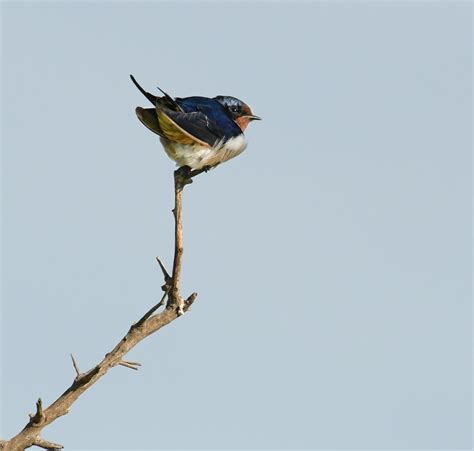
(332,258)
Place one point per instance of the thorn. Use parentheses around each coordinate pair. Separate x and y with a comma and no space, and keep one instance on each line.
(163,270)
(74,364)
(131,365)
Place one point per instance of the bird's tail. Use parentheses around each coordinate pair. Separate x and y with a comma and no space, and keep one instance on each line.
(149,96)
(166,101)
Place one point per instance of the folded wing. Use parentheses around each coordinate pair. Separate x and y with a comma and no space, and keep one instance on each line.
(184,128)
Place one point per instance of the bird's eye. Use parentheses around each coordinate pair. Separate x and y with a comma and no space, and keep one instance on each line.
(234,109)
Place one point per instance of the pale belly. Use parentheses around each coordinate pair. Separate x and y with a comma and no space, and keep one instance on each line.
(197,156)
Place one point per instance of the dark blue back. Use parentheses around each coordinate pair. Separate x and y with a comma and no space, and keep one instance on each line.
(220,123)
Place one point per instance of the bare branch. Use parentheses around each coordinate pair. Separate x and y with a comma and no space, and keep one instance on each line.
(148,324)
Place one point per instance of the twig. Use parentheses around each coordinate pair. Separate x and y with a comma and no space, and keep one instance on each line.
(148,324)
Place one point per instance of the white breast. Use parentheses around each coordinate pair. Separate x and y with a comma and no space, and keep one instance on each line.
(197,156)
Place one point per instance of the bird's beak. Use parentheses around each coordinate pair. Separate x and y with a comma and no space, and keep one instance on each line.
(254,118)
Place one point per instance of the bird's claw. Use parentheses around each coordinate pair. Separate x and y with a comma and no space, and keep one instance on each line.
(183,177)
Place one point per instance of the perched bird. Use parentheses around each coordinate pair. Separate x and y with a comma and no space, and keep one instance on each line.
(198,132)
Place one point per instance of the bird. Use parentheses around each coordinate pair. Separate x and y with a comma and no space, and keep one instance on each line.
(197,132)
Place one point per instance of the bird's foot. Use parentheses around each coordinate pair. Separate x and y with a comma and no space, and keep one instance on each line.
(183,177)
(206,168)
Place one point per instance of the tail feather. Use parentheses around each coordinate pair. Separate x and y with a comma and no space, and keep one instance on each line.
(166,101)
(170,102)
(149,96)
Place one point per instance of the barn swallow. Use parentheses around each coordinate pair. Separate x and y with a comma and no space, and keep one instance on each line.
(198,132)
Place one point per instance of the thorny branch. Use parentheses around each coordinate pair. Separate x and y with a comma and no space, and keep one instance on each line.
(148,324)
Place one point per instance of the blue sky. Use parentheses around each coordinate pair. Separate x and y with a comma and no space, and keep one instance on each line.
(332,258)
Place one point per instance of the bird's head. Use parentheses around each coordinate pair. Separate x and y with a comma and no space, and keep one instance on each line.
(239,111)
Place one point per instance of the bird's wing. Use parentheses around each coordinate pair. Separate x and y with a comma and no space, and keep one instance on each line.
(186,128)
(160,122)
